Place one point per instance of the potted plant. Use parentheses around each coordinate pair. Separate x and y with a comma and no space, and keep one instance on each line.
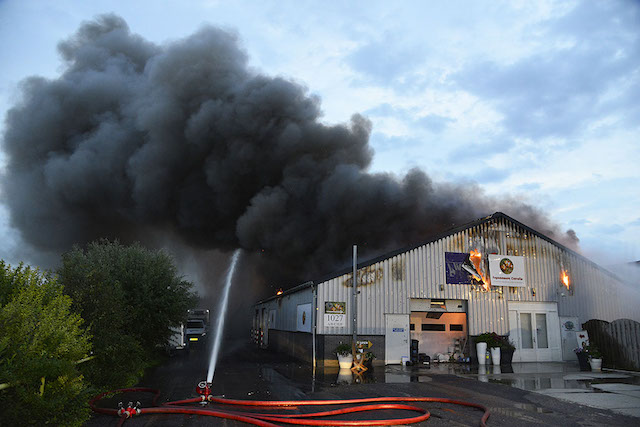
(595,358)
(345,358)
(368,359)
(507,349)
(482,341)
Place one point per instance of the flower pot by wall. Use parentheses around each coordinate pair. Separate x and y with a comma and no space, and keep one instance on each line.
(495,355)
(583,361)
(596,365)
(345,362)
(506,356)
(481,351)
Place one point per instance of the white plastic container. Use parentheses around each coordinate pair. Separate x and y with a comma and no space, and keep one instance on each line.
(481,351)
(495,355)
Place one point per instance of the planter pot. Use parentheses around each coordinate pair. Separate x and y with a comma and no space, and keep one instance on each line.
(583,361)
(596,365)
(481,351)
(345,362)
(495,355)
(506,356)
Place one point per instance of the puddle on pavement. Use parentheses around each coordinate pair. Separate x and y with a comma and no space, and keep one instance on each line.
(533,408)
(301,376)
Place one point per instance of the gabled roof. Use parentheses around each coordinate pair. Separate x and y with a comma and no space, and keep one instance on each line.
(492,217)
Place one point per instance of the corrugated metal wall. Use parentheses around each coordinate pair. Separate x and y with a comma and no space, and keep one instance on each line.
(386,286)
(286,308)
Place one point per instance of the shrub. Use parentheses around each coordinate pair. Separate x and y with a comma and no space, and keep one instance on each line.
(40,337)
(130,296)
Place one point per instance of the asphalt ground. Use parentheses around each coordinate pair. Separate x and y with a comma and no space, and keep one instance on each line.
(245,372)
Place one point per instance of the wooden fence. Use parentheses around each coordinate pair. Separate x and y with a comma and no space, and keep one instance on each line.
(619,342)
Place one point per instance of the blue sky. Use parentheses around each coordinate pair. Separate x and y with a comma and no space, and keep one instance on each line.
(536,100)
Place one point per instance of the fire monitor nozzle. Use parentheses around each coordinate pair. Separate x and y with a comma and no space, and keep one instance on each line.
(203,388)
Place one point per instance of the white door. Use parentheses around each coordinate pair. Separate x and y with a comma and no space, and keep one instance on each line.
(535,331)
(396,338)
(568,327)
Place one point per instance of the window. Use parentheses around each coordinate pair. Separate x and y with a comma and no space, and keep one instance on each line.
(438,304)
(195,324)
(433,327)
(412,327)
(455,327)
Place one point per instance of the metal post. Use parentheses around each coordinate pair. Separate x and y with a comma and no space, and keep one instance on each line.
(314,322)
(354,303)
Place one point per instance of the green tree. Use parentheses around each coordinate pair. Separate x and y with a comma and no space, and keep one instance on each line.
(40,337)
(130,296)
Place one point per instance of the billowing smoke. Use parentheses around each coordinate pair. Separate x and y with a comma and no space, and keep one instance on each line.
(185,139)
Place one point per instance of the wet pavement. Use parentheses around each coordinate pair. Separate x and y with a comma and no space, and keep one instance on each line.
(614,390)
(527,394)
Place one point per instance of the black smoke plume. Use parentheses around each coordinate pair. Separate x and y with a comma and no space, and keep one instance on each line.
(186,139)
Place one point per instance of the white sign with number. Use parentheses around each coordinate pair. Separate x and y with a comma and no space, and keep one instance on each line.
(335,320)
(335,314)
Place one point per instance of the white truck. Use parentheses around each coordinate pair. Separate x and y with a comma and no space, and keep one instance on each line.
(196,331)
(178,340)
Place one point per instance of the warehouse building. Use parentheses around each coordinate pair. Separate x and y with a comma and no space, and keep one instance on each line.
(492,275)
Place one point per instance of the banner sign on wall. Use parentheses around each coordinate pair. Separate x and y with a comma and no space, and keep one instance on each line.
(507,270)
(335,314)
(303,324)
(454,273)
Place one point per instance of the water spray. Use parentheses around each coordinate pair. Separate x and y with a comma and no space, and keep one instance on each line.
(222,311)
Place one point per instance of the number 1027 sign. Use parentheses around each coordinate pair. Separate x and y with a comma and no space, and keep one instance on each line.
(335,314)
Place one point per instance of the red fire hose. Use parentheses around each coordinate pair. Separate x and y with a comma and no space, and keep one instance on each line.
(268,420)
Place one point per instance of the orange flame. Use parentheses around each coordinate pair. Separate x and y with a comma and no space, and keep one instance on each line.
(476,257)
(565,278)
(279,292)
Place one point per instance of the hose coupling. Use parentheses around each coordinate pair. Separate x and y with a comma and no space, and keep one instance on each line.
(130,410)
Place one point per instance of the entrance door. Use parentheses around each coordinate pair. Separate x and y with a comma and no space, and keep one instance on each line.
(396,338)
(535,331)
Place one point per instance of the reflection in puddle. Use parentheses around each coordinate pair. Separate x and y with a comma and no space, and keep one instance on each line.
(345,376)
(525,377)
(420,379)
(532,407)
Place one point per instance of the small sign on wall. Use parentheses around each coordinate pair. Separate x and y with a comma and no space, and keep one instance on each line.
(335,314)
(303,323)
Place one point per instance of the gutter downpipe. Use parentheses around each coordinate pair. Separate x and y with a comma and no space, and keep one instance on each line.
(314,321)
